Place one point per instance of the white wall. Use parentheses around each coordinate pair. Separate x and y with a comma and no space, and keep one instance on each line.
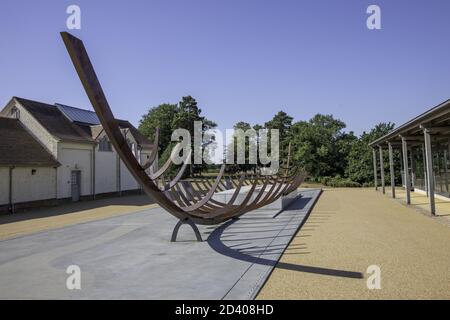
(127,181)
(105,171)
(74,156)
(4,185)
(26,186)
(32,187)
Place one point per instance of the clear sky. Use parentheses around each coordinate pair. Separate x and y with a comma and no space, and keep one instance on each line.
(241,59)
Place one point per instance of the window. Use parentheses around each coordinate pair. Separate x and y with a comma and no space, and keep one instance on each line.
(104,144)
(15,113)
(132,147)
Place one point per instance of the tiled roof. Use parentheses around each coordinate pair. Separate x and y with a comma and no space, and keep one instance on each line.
(19,148)
(52,119)
(74,124)
(140,138)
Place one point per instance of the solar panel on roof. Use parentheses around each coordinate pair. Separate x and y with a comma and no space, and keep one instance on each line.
(78,115)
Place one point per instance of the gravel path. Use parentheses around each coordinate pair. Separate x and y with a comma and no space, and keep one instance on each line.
(351,229)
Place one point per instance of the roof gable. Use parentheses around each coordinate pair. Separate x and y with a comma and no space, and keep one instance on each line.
(54,121)
(20,148)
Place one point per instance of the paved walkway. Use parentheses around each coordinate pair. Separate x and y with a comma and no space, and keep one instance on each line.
(130,257)
(351,229)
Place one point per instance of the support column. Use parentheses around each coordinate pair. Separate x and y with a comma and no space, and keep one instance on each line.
(405,170)
(429,164)
(446,171)
(425,175)
(391,167)
(413,167)
(382,170)
(375,180)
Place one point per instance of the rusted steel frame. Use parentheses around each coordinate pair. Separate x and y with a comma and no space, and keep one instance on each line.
(205,208)
(189,222)
(200,211)
(228,207)
(301,178)
(183,201)
(280,193)
(94,91)
(223,215)
(222,182)
(232,199)
(208,195)
(179,174)
(207,183)
(216,212)
(291,185)
(200,190)
(269,196)
(166,165)
(233,211)
(233,182)
(221,187)
(154,153)
(272,196)
(248,207)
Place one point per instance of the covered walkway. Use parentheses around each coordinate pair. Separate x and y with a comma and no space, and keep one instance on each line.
(420,201)
(421,147)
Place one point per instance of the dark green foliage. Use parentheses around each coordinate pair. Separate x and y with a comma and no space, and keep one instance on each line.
(360,158)
(159,117)
(321,146)
(169,117)
(339,182)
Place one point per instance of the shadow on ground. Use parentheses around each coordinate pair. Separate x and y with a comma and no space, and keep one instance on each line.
(242,245)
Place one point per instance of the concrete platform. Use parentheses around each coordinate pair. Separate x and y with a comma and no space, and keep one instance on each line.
(277,206)
(131,257)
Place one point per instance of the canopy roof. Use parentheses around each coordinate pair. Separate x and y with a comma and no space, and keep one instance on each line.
(436,119)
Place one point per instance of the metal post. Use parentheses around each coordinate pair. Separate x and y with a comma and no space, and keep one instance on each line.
(429,163)
(413,167)
(375,180)
(382,170)
(425,175)
(405,168)
(391,167)
(446,171)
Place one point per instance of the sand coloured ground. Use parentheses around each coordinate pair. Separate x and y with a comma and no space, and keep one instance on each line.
(350,229)
(23,223)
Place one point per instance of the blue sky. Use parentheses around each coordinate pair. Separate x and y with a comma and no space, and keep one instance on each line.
(242,60)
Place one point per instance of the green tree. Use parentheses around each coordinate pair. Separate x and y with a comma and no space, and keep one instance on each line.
(159,117)
(244,126)
(360,157)
(169,117)
(321,146)
(283,122)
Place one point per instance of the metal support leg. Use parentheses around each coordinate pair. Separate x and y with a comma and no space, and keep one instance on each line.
(189,222)
(391,167)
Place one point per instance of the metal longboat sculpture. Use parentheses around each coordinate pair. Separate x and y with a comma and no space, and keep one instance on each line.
(190,205)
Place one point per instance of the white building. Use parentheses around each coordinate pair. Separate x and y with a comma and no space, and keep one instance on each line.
(50,153)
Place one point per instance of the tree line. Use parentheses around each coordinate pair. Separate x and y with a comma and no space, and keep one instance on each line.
(321,145)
